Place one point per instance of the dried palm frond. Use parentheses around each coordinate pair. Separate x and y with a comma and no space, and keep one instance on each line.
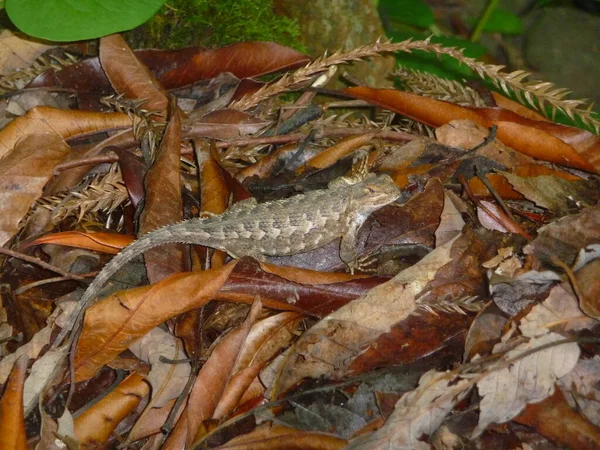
(537,94)
(145,126)
(21,77)
(103,193)
(455,305)
(433,86)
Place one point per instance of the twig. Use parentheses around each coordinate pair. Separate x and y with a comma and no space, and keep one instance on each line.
(39,262)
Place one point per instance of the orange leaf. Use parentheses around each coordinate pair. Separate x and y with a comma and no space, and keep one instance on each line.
(336,152)
(115,322)
(43,119)
(111,243)
(273,436)
(510,105)
(534,138)
(97,423)
(12,420)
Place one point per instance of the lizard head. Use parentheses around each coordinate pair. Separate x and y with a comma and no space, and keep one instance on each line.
(376,191)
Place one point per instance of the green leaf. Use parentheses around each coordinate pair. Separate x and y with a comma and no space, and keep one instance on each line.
(74,20)
(501,21)
(411,12)
(444,66)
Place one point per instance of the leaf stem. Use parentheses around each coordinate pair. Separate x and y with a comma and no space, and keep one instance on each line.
(485,18)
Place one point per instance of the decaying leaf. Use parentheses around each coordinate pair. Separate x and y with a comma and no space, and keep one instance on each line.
(417,414)
(23,174)
(167,380)
(527,379)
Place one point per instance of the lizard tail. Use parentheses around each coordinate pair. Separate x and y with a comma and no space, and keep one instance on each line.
(162,236)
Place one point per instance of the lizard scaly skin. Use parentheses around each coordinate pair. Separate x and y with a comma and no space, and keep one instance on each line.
(278,228)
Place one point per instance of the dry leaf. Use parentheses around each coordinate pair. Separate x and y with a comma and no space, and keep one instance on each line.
(530,379)
(167,380)
(12,420)
(114,323)
(418,414)
(319,351)
(128,76)
(23,174)
(97,423)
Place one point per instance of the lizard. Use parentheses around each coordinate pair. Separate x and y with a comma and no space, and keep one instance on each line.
(289,226)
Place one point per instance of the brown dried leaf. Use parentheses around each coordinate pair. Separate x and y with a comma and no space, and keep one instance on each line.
(43,119)
(128,76)
(12,420)
(265,340)
(244,60)
(560,423)
(556,194)
(211,382)
(17,51)
(538,139)
(336,152)
(293,289)
(115,322)
(564,238)
(272,437)
(97,423)
(23,174)
(163,204)
(214,194)
(320,350)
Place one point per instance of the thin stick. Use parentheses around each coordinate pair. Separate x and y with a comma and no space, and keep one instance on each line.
(39,262)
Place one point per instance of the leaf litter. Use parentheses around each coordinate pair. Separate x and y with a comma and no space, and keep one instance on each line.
(474,312)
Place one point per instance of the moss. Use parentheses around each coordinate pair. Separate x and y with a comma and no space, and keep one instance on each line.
(214,23)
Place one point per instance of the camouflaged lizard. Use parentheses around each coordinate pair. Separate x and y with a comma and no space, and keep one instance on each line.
(278,228)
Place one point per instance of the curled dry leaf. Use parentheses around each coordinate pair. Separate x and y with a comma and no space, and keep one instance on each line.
(336,152)
(68,124)
(274,436)
(96,424)
(12,420)
(23,174)
(214,194)
(163,204)
(564,425)
(533,138)
(111,243)
(211,382)
(114,323)
(265,340)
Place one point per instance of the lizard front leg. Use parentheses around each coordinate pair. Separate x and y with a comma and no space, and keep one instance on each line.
(348,252)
